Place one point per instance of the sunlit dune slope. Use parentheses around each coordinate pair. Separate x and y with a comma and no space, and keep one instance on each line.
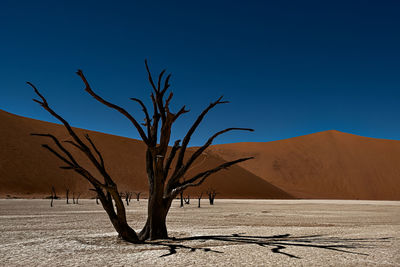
(28,169)
(328,164)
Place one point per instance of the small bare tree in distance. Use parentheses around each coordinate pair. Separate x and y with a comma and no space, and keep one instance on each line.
(67,195)
(53,195)
(137,194)
(211,195)
(128,196)
(165,180)
(187,200)
(181,198)
(199,198)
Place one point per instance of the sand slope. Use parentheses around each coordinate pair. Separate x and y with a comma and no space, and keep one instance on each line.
(28,169)
(328,164)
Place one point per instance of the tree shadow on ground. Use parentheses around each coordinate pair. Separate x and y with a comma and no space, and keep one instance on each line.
(277,243)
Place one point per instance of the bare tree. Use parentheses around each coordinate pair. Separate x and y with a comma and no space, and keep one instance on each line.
(73,197)
(137,194)
(128,196)
(53,195)
(181,197)
(211,195)
(187,200)
(77,198)
(165,182)
(67,195)
(96,197)
(199,198)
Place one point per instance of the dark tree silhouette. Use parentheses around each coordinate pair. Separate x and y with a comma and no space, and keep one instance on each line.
(211,195)
(77,198)
(97,199)
(199,196)
(137,194)
(128,196)
(181,198)
(187,200)
(53,195)
(67,195)
(165,180)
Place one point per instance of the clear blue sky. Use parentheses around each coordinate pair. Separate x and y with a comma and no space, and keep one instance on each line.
(289,68)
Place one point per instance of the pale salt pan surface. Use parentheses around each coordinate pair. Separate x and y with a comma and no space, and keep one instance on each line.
(232,232)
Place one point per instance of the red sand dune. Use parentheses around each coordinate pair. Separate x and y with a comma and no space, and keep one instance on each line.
(328,164)
(27,169)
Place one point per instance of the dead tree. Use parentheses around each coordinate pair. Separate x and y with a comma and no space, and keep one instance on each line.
(67,195)
(199,198)
(187,200)
(53,195)
(128,196)
(165,179)
(96,197)
(77,198)
(181,197)
(137,194)
(107,190)
(211,195)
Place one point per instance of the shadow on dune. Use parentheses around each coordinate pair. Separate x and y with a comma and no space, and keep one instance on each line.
(277,243)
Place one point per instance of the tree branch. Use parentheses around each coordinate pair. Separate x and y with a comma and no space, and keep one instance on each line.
(149,75)
(159,80)
(191,131)
(146,113)
(180,112)
(201,177)
(199,151)
(63,149)
(95,149)
(171,156)
(83,172)
(80,144)
(58,155)
(113,106)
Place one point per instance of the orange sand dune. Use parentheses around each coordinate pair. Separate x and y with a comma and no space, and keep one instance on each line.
(328,164)
(28,169)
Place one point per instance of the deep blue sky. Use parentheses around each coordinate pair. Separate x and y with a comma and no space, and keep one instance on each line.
(289,68)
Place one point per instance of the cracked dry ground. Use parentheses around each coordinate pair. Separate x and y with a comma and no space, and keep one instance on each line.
(232,232)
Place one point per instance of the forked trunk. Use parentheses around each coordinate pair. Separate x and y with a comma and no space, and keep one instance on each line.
(156,227)
(120,224)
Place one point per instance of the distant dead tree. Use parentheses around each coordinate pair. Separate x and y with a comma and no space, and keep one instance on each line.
(181,197)
(199,196)
(211,195)
(128,196)
(77,198)
(67,195)
(165,179)
(73,197)
(137,194)
(53,195)
(96,197)
(187,200)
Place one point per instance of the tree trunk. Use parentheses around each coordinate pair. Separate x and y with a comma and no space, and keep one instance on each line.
(181,194)
(155,227)
(67,195)
(124,231)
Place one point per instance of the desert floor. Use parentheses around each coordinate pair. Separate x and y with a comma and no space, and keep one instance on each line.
(232,232)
